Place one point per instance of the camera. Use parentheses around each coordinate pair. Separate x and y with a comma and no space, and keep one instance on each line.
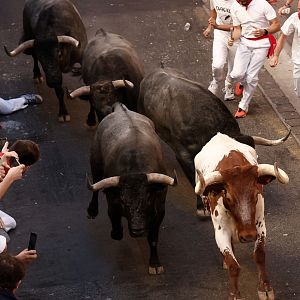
(14,162)
(32,241)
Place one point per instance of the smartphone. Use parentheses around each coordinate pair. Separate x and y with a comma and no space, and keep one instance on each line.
(32,241)
(14,162)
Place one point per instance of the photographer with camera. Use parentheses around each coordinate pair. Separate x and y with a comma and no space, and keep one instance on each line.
(23,153)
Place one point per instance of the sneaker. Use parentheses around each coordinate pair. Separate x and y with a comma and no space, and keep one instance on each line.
(33,99)
(240,113)
(228,90)
(213,87)
(238,89)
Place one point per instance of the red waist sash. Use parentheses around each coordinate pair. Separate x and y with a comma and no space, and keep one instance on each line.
(272,42)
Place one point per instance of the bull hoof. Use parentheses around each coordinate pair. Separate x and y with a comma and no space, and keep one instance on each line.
(235,297)
(117,234)
(156,270)
(203,213)
(64,118)
(91,120)
(76,70)
(91,127)
(91,217)
(38,79)
(92,213)
(266,295)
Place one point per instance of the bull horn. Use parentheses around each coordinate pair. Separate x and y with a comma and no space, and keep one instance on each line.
(67,39)
(122,83)
(103,184)
(161,178)
(26,45)
(84,90)
(266,142)
(207,180)
(266,169)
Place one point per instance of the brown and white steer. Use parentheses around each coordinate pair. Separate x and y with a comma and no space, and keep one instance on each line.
(230,178)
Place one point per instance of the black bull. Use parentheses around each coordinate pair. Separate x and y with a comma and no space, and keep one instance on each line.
(53,33)
(108,59)
(186,116)
(127,164)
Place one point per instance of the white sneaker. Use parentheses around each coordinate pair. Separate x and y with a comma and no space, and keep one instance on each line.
(213,87)
(229,92)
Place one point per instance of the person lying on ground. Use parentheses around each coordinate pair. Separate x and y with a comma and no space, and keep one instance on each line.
(11,105)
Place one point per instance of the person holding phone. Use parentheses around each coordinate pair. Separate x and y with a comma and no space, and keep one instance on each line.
(24,153)
(7,177)
(12,271)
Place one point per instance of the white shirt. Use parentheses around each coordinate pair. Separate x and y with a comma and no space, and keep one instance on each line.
(222,8)
(257,15)
(292,26)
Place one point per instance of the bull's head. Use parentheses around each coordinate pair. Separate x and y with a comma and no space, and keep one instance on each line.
(141,197)
(239,189)
(53,53)
(103,94)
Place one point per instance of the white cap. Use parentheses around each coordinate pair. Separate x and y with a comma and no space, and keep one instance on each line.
(2,243)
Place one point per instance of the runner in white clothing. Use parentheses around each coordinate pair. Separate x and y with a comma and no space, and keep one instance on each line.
(253,23)
(220,19)
(289,27)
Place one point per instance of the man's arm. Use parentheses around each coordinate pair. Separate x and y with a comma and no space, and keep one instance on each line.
(273,28)
(212,22)
(213,15)
(235,35)
(27,256)
(277,51)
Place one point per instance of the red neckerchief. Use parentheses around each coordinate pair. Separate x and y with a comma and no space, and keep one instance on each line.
(299,15)
(248,2)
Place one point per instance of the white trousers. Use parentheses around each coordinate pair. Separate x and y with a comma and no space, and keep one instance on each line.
(11,105)
(9,222)
(222,53)
(296,76)
(247,63)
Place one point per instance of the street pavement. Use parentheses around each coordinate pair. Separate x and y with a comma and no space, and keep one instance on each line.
(77,258)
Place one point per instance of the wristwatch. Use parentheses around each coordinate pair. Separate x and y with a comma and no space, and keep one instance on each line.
(266,32)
